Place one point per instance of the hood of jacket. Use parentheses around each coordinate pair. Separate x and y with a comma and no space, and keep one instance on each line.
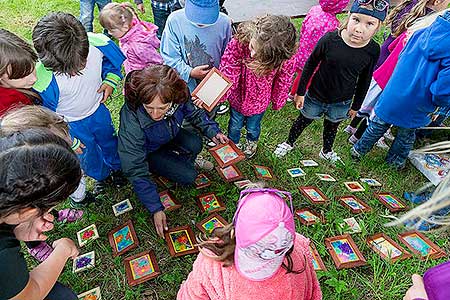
(333,6)
(435,42)
(140,31)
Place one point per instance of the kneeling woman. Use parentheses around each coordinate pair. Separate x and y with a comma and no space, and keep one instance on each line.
(151,138)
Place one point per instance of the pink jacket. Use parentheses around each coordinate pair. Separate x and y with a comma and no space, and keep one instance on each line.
(384,72)
(209,280)
(140,46)
(319,20)
(251,94)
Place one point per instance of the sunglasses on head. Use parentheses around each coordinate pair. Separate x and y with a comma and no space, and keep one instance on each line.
(379,5)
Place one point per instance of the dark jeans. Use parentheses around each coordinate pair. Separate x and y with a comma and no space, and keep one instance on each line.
(160,16)
(238,120)
(398,153)
(175,160)
(61,292)
(87,12)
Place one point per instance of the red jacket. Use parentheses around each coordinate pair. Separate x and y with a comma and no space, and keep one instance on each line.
(10,98)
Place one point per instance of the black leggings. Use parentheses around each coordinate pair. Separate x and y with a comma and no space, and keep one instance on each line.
(361,129)
(328,136)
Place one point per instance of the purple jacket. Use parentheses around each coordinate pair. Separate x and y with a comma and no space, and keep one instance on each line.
(437,282)
(140,46)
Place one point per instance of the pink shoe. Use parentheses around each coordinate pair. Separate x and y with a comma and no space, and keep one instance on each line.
(69,215)
(41,252)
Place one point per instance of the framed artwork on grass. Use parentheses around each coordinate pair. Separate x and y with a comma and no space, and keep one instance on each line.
(122,207)
(316,259)
(210,223)
(141,267)
(392,203)
(350,225)
(202,181)
(386,247)
(264,173)
(344,252)
(296,172)
(210,203)
(307,216)
(87,235)
(326,177)
(354,186)
(212,88)
(164,182)
(313,194)
(226,154)
(309,163)
(93,294)
(168,200)
(355,205)
(242,183)
(181,241)
(123,238)
(420,245)
(83,262)
(370,182)
(230,173)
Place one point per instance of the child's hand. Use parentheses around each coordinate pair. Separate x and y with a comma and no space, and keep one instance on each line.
(141,8)
(200,72)
(417,291)
(106,90)
(33,230)
(80,149)
(160,223)
(220,138)
(352,113)
(66,245)
(298,101)
(197,102)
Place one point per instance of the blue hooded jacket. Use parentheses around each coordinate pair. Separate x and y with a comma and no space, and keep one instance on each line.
(420,83)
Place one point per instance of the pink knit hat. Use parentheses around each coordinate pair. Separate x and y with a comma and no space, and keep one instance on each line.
(265,231)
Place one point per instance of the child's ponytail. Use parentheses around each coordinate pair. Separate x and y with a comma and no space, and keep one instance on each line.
(116,15)
(419,10)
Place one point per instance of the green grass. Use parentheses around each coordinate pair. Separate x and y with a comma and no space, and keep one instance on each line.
(377,280)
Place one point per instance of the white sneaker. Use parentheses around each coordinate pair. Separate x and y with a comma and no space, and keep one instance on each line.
(282,149)
(330,156)
(389,135)
(210,144)
(223,108)
(350,130)
(250,148)
(382,144)
(203,164)
(353,139)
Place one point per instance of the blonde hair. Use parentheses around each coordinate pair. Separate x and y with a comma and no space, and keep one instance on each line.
(33,116)
(440,198)
(419,10)
(116,15)
(426,21)
(275,41)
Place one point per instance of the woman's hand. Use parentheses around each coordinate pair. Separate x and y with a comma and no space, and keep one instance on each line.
(160,223)
(417,291)
(33,230)
(220,138)
(299,101)
(197,101)
(352,113)
(200,72)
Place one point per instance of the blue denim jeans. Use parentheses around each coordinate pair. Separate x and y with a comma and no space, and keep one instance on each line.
(61,292)
(398,153)
(160,16)
(238,120)
(87,12)
(334,112)
(175,160)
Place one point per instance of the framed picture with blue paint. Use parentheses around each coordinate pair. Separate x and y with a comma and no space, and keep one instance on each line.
(344,252)
(391,202)
(316,259)
(123,238)
(420,245)
(141,267)
(387,248)
(122,207)
(354,204)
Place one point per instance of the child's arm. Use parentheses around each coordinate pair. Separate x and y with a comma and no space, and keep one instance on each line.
(440,88)
(282,82)
(363,83)
(231,65)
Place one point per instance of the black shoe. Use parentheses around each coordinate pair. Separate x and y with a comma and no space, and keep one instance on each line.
(118,179)
(88,199)
(100,187)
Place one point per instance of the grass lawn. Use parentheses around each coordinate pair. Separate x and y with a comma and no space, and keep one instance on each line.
(377,280)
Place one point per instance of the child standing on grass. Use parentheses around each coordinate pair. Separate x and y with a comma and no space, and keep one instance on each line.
(28,191)
(346,59)
(423,73)
(319,20)
(259,256)
(137,39)
(76,75)
(259,61)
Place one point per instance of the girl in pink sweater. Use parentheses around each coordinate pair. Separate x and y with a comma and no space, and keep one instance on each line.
(259,256)
(260,62)
(137,39)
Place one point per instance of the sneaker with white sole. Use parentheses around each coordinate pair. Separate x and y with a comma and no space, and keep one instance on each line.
(282,149)
(250,148)
(223,108)
(330,156)
(388,135)
(350,130)
(210,144)
(355,154)
(353,139)
(203,164)
(382,144)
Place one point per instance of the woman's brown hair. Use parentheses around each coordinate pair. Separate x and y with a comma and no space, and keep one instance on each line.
(143,86)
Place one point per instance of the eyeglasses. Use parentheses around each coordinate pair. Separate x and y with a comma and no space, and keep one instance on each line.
(282,194)
(379,5)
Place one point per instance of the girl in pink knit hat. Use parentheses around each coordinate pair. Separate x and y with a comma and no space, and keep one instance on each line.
(259,256)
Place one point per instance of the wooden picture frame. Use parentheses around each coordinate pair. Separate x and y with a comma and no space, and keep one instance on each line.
(354,186)
(317,259)
(354,204)
(202,181)
(226,154)
(263,173)
(344,252)
(212,88)
(93,294)
(414,239)
(122,207)
(123,238)
(210,223)
(308,217)
(313,194)
(168,201)
(388,200)
(231,170)
(181,241)
(386,247)
(87,235)
(83,262)
(210,203)
(145,260)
